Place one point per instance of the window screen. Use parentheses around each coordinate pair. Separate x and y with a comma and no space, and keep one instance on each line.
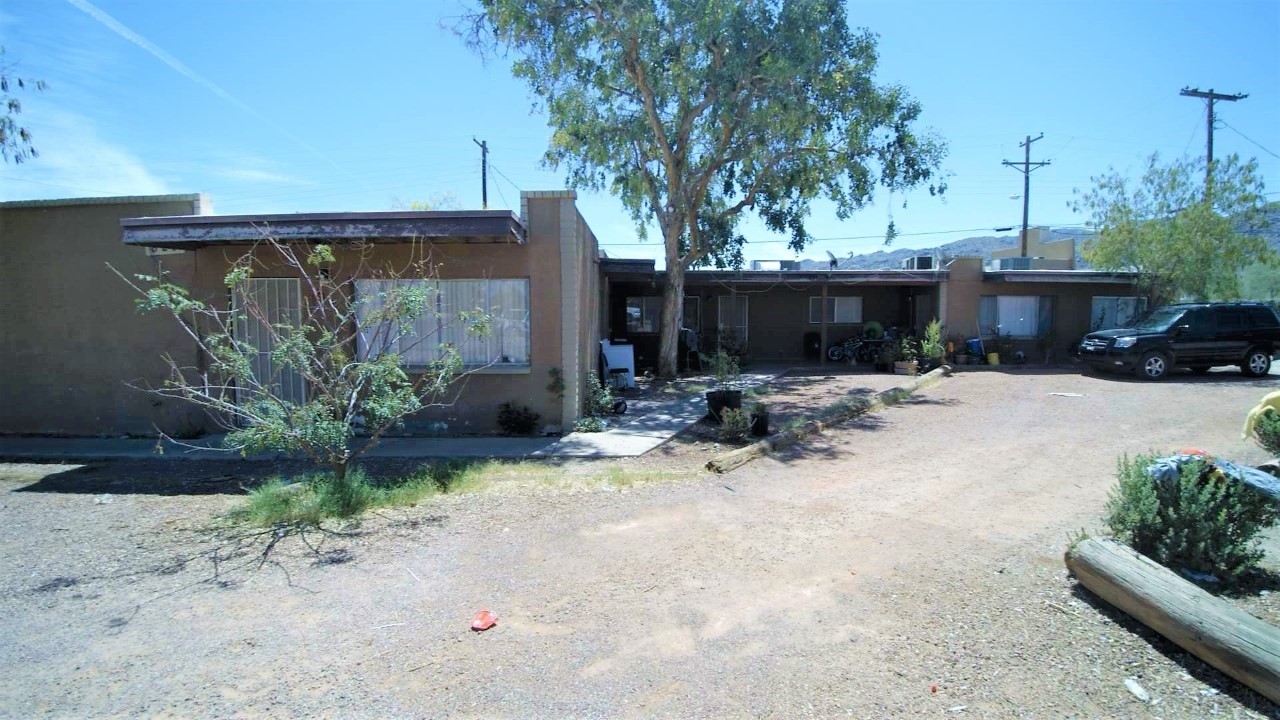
(450,318)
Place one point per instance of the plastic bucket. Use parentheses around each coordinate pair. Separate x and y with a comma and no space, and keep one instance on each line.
(974,346)
(993,358)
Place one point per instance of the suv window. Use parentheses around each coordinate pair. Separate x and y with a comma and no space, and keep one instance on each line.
(1261,317)
(1231,320)
(1199,321)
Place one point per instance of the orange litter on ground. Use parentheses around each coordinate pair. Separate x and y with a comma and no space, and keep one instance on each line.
(483,620)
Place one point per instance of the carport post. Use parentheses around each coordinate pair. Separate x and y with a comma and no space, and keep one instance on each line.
(822,310)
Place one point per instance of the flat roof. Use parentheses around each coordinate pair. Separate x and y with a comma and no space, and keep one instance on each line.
(1060,276)
(109,200)
(188,232)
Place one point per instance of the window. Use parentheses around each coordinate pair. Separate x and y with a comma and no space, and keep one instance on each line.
(732,320)
(1231,320)
(1016,315)
(1113,312)
(643,313)
(840,310)
(692,313)
(506,302)
(1261,317)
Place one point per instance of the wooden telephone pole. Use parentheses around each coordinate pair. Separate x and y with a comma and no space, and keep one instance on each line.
(1211,97)
(1025,167)
(484,172)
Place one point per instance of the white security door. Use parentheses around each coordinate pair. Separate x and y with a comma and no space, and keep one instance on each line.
(278,301)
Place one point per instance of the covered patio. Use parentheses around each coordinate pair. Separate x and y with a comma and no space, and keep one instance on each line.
(771,317)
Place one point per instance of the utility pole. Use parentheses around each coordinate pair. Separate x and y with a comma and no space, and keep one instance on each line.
(1211,96)
(1025,167)
(484,173)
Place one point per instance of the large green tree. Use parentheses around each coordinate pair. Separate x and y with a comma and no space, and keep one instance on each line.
(694,112)
(15,139)
(1186,239)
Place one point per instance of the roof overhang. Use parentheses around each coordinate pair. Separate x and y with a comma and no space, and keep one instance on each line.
(816,277)
(785,277)
(1061,276)
(196,231)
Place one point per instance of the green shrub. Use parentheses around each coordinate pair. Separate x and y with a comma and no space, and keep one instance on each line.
(734,424)
(599,400)
(1267,432)
(517,419)
(589,425)
(1204,522)
(312,499)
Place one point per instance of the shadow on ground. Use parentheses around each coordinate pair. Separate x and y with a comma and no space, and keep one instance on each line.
(1193,665)
(201,477)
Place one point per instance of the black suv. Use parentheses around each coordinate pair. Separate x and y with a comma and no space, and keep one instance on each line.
(1198,336)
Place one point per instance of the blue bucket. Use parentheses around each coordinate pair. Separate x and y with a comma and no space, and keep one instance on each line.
(974,345)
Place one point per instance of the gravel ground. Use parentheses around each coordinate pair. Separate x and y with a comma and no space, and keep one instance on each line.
(908,564)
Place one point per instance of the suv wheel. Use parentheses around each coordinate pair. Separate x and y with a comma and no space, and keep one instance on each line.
(1257,362)
(1153,366)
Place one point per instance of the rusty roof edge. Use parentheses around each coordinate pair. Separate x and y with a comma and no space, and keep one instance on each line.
(165,220)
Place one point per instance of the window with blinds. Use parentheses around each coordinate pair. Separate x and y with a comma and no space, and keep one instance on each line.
(453,307)
(1022,316)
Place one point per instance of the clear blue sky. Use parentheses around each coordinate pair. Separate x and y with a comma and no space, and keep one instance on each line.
(283,106)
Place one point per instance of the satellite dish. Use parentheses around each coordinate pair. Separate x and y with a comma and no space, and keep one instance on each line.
(834,262)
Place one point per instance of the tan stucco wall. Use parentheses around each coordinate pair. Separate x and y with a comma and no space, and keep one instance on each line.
(1072,304)
(71,337)
(474,402)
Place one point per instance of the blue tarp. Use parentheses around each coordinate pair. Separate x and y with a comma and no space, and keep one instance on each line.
(1167,470)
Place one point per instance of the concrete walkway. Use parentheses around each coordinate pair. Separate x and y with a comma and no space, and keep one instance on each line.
(648,424)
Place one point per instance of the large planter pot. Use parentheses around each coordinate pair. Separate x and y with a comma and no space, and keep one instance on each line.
(962,358)
(718,400)
(760,424)
(905,368)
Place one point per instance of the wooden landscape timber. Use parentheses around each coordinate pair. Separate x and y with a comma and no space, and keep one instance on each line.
(725,462)
(1212,629)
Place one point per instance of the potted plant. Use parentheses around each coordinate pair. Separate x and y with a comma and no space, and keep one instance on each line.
(726,394)
(885,358)
(907,356)
(932,349)
(957,349)
(759,420)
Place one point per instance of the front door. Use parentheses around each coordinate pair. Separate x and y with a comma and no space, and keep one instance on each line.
(732,322)
(263,304)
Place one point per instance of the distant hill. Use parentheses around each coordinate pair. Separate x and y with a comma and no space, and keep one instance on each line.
(984,245)
(980,246)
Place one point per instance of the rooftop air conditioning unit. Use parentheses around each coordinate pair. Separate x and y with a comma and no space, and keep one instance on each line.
(918,262)
(1015,263)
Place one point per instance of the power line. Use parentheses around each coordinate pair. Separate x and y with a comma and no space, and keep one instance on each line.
(849,237)
(1246,137)
(1211,97)
(68,187)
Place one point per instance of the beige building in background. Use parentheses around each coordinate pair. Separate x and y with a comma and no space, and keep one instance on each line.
(1042,253)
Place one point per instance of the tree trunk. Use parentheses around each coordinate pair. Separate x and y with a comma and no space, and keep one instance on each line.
(672,310)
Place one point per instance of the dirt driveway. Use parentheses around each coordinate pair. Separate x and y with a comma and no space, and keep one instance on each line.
(908,565)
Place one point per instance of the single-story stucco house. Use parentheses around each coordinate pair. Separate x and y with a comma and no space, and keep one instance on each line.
(73,349)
